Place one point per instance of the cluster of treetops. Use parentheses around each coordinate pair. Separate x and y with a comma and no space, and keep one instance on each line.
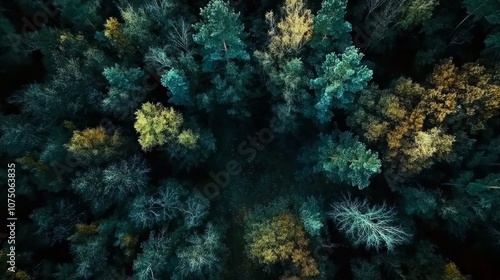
(383,150)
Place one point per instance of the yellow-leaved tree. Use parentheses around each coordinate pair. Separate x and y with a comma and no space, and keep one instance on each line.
(94,144)
(114,31)
(282,239)
(451,272)
(158,125)
(417,125)
(292,31)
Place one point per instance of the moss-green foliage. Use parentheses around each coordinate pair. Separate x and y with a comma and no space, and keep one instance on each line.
(417,12)
(157,125)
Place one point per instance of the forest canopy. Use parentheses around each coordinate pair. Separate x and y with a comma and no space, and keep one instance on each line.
(230,139)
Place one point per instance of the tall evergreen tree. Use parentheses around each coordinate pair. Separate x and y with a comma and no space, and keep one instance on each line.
(340,78)
(220,35)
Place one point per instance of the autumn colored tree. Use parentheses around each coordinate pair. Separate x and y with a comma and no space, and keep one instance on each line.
(94,144)
(113,31)
(287,72)
(451,272)
(472,89)
(282,238)
(306,99)
(400,126)
(289,33)
(275,235)
(157,125)
(418,125)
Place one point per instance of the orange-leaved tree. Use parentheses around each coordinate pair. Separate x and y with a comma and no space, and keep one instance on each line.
(281,239)
(416,125)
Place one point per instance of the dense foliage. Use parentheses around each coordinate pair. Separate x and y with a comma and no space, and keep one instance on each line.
(227,139)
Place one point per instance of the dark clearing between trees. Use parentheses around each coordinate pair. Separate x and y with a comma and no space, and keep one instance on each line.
(241,140)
